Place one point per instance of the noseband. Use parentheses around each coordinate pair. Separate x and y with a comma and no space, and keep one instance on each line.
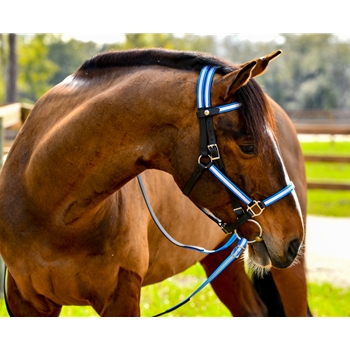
(210,159)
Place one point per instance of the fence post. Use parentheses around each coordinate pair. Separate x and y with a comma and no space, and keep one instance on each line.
(2,276)
(2,269)
(2,131)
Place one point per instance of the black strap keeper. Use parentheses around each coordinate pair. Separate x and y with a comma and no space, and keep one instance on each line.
(207,112)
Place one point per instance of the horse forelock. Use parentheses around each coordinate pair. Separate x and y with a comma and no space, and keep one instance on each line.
(256,112)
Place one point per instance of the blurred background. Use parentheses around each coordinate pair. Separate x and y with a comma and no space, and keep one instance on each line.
(312,73)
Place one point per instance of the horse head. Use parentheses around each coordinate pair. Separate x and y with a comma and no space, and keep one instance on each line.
(246,144)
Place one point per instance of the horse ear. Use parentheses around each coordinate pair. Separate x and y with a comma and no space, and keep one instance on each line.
(262,63)
(229,83)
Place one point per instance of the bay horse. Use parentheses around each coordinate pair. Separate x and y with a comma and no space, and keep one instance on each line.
(68,231)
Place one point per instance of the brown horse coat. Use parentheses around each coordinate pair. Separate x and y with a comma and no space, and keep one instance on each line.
(71,233)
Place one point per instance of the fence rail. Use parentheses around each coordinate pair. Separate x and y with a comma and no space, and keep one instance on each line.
(305,122)
(327,185)
(323,129)
(326,159)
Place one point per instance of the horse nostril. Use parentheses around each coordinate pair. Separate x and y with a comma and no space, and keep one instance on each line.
(293,248)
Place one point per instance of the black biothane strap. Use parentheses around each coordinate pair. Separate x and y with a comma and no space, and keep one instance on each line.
(209,151)
(193,179)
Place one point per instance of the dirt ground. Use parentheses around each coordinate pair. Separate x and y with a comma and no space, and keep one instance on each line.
(327,250)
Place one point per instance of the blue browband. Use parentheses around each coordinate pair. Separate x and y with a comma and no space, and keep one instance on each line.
(205,82)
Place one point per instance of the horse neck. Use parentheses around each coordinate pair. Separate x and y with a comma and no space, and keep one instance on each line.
(108,139)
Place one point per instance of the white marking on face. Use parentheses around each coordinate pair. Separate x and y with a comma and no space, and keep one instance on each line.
(286,176)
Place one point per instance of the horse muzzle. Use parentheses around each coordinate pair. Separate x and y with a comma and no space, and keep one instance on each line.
(260,254)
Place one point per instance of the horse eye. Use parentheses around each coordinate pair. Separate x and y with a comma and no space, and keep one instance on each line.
(247,149)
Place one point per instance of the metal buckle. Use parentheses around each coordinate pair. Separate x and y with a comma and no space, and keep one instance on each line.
(256,204)
(237,209)
(210,147)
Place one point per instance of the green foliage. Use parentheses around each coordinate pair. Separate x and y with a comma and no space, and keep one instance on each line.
(3,54)
(35,69)
(188,42)
(312,72)
(68,56)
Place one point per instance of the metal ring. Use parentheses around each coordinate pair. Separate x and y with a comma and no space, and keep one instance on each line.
(258,237)
(199,160)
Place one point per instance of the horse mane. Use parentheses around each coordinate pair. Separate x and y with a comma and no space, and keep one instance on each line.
(256,111)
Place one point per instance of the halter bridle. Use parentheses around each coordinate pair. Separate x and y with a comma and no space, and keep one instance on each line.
(210,152)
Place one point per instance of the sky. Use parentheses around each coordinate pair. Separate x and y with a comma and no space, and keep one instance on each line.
(112,38)
(153,16)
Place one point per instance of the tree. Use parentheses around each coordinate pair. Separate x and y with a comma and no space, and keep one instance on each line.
(2,67)
(167,41)
(68,56)
(35,69)
(312,73)
(11,86)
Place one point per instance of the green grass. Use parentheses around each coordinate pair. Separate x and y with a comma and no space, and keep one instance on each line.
(161,296)
(327,202)
(332,172)
(325,300)
(326,148)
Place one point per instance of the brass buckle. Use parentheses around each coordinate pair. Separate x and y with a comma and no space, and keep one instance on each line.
(255,204)
(217,149)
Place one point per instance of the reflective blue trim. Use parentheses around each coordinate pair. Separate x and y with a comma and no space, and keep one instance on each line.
(168,236)
(230,185)
(242,196)
(208,85)
(205,82)
(242,243)
(279,195)
(229,107)
(196,248)
(200,86)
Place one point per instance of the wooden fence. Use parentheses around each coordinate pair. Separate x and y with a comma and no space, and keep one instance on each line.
(327,185)
(11,116)
(320,122)
(305,122)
